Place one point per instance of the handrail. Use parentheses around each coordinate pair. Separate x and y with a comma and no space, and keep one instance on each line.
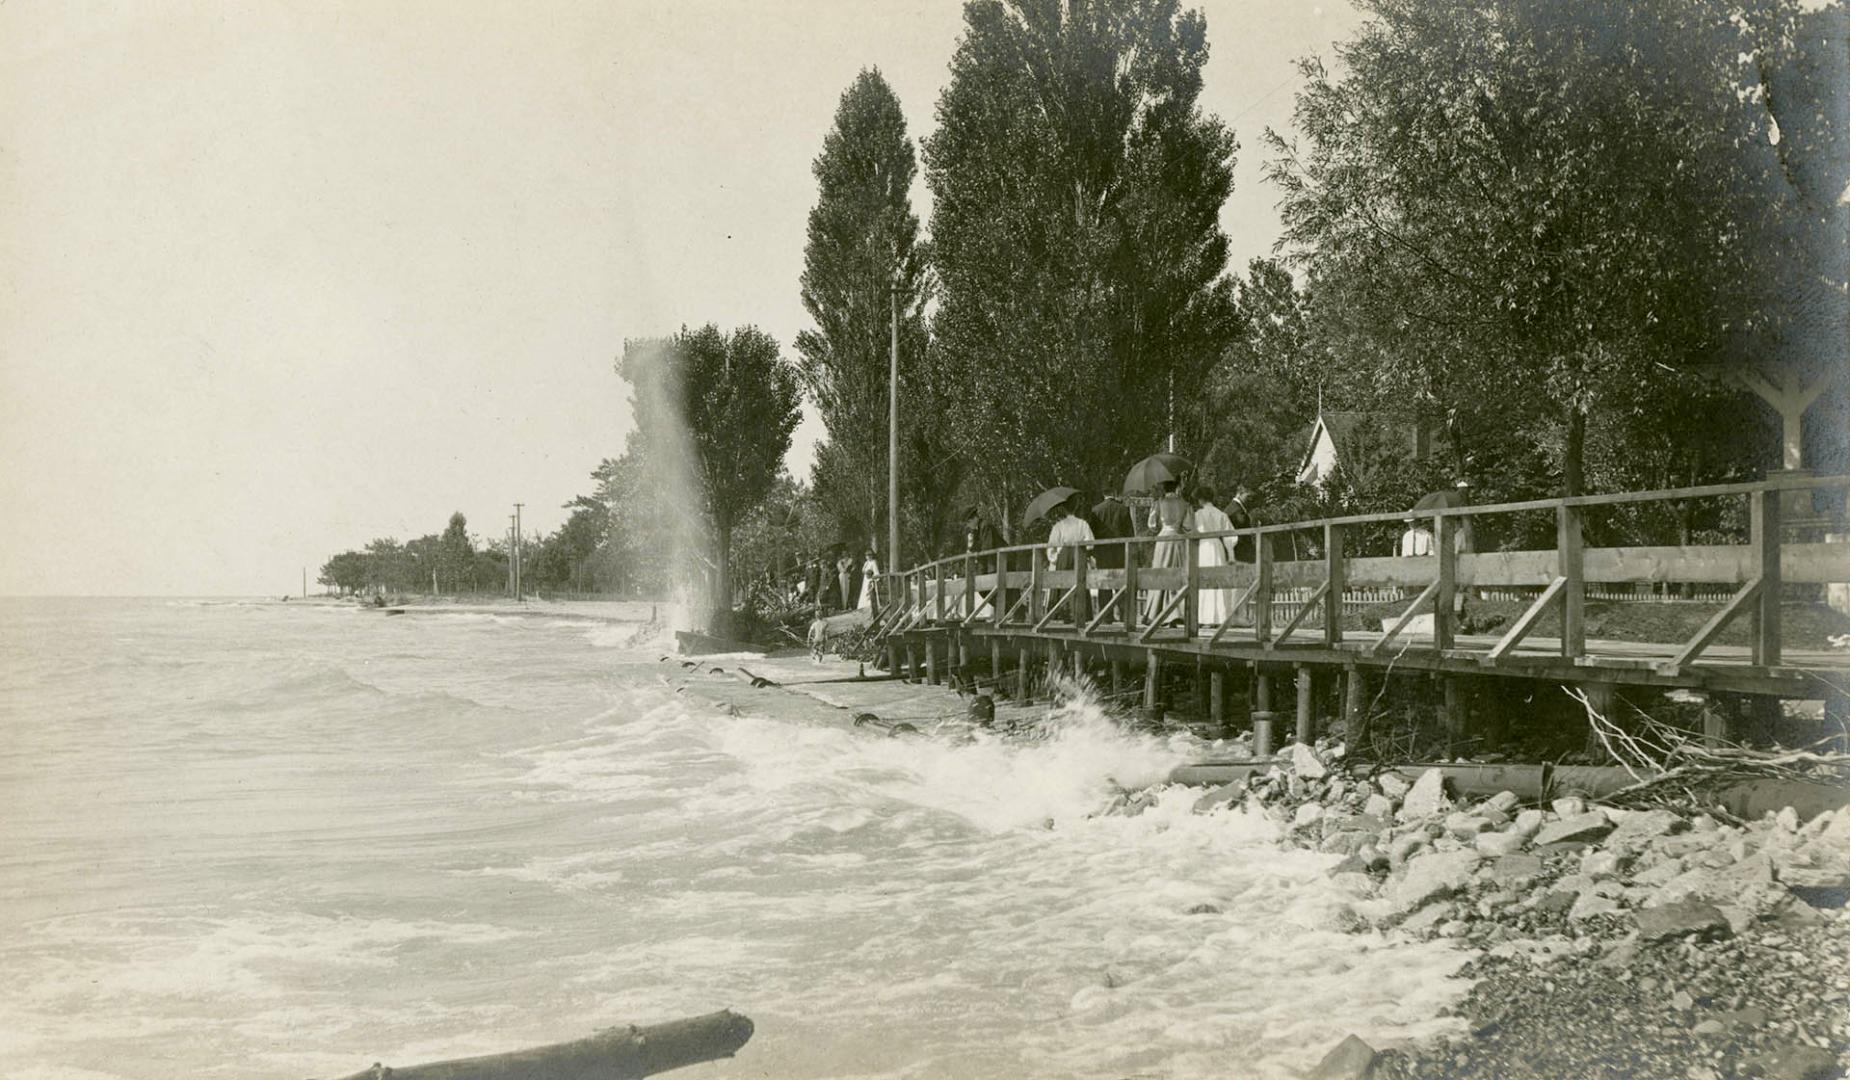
(1615,499)
(922,594)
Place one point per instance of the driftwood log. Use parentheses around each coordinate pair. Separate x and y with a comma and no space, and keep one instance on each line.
(615,1054)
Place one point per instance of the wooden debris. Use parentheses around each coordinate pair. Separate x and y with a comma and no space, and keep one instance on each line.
(615,1054)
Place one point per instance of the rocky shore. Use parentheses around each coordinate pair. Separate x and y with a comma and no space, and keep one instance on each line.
(1639,943)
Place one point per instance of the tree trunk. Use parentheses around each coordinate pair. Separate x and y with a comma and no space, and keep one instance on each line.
(616,1054)
(1573,457)
(722,571)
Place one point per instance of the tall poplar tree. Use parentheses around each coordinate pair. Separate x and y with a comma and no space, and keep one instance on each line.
(1077,189)
(1546,217)
(863,248)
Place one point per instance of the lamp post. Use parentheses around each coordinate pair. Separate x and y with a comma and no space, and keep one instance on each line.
(892,437)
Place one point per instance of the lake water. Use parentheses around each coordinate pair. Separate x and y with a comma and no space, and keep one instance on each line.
(279,841)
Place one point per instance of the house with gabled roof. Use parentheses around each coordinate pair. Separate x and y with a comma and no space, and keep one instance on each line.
(1355,441)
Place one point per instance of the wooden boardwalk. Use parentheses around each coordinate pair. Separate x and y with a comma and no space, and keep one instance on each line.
(1014,607)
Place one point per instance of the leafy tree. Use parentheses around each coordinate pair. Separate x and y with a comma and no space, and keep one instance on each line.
(1534,207)
(1077,189)
(346,572)
(1260,400)
(716,410)
(862,253)
(455,552)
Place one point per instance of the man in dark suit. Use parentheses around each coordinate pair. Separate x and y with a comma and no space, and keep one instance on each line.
(1111,520)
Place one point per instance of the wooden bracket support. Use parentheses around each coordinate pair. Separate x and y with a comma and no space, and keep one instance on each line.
(1552,595)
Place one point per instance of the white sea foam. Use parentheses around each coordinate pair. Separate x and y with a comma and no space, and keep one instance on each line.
(405,843)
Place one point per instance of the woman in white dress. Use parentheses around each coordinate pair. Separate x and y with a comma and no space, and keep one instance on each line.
(1215,606)
(870,576)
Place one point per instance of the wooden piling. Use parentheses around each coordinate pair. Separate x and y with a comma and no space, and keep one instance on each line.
(1217,701)
(1152,678)
(1021,675)
(1355,686)
(1451,712)
(1306,722)
(931,660)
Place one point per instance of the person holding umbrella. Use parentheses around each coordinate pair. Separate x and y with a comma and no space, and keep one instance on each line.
(1063,550)
(1170,519)
(1216,604)
(1110,520)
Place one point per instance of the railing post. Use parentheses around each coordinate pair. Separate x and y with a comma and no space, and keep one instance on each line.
(999,599)
(1080,610)
(1262,588)
(1334,574)
(1765,516)
(1444,540)
(969,584)
(1191,581)
(1128,606)
(939,602)
(1570,562)
(1035,601)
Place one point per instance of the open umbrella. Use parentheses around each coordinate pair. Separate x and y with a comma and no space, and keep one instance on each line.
(1046,501)
(1152,471)
(1439,500)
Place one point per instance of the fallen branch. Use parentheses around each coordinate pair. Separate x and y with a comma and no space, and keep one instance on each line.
(1674,770)
(615,1054)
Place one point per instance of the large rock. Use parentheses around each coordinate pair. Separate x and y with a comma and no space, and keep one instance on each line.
(1585,826)
(1529,822)
(1307,815)
(1644,827)
(1815,865)
(1426,798)
(1687,918)
(1589,904)
(1502,802)
(1306,763)
(1744,883)
(1352,1059)
(1792,1062)
(1571,806)
(1393,784)
(1465,826)
(1516,869)
(1225,795)
(1429,877)
(1378,806)
(1495,844)
(1600,864)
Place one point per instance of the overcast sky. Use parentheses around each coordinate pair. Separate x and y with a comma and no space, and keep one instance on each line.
(279,278)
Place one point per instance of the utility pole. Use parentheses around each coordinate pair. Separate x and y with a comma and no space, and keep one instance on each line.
(892,441)
(517,547)
(305,583)
(510,554)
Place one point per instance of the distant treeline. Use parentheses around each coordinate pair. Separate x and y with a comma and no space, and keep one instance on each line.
(578,558)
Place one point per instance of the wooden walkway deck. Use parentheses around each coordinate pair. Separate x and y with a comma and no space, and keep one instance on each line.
(1013,605)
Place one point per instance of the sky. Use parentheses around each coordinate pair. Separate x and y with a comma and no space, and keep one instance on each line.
(278,279)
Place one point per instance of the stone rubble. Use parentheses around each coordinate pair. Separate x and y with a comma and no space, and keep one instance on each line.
(1642,943)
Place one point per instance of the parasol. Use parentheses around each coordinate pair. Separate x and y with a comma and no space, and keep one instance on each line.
(1152,471)
(1046,501)
(1439,500)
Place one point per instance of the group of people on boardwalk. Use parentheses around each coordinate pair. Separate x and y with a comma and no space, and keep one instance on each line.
(836,581)
(1176,517)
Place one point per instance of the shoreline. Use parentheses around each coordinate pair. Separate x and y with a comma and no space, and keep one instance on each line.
(611,611)
(1604,940)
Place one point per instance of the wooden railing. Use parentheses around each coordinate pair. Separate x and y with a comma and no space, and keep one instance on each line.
(1015,587)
